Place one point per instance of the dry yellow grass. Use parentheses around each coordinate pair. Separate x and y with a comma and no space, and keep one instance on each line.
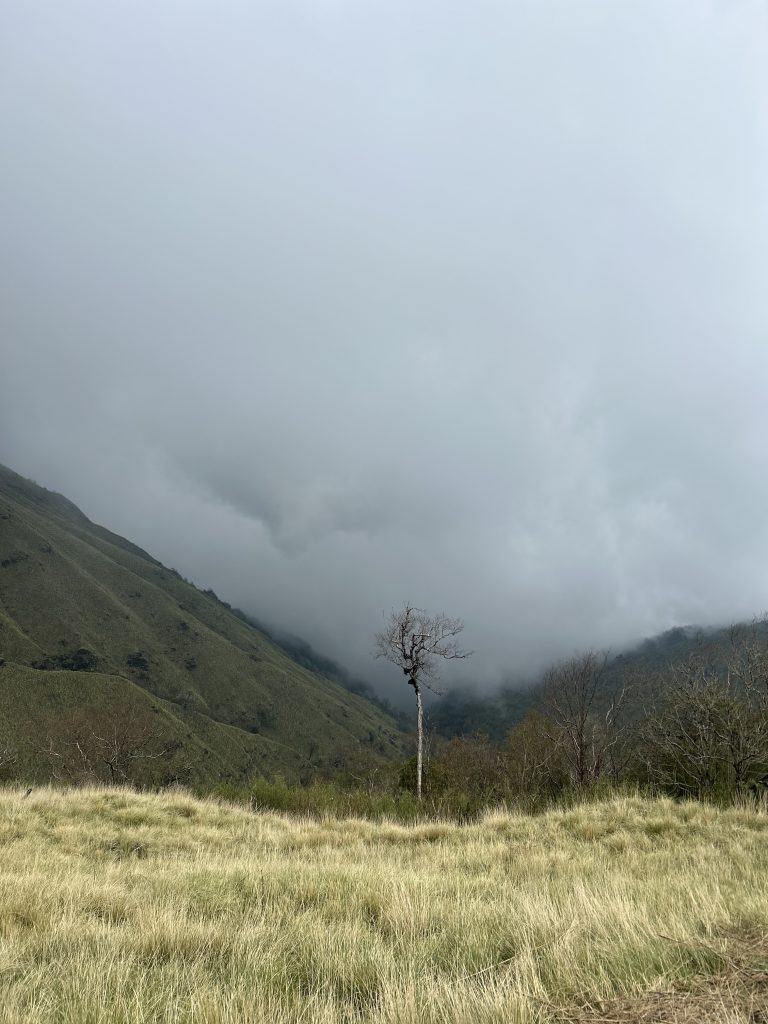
(122,907)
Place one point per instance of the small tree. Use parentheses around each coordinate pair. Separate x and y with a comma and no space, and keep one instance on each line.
(84,756)
(7,757)
(585,710)
(415,642)
(709,735)
(535,759)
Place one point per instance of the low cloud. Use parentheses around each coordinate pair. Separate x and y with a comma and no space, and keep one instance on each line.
(335,305)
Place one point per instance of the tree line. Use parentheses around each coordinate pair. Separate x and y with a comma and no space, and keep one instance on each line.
(695,728)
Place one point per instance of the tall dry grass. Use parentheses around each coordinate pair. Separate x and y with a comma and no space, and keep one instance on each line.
(119,907)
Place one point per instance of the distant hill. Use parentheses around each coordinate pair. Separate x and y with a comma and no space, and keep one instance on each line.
(304,654)
(463,711)
(678,646)
(95,632)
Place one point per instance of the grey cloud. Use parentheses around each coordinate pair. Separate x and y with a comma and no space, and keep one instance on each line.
(335,304)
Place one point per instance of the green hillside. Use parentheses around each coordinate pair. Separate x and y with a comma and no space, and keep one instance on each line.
(108,627)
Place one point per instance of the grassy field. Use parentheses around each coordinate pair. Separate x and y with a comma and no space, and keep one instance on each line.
(124,907)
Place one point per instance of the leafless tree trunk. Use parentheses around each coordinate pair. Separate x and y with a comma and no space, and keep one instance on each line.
(419,740)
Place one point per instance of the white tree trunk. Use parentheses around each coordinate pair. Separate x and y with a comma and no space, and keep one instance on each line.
(420,739)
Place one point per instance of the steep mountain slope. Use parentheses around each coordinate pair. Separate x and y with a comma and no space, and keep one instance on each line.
(76,599)
(87,725)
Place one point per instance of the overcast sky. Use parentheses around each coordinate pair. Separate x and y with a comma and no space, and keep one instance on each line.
(332,304)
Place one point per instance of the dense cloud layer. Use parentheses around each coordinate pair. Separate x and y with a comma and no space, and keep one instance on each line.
(337,304)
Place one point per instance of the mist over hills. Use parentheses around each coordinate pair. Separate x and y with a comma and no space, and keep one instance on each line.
(465,710)
(104,634)
(97,638)
(463,305)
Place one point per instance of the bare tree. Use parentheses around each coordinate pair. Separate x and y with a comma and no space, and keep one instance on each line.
(585,709)
(416,642)
(747,658)
(7,757)
(535,759)
(708,734)
(746,728)
(90,757)
(680,741)
(120,751)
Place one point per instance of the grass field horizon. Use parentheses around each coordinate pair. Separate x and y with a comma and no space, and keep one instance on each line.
(119,906)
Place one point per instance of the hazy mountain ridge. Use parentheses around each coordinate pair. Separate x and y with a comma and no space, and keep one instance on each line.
(75,595)
(89,621)
(302,652)
(464,710)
